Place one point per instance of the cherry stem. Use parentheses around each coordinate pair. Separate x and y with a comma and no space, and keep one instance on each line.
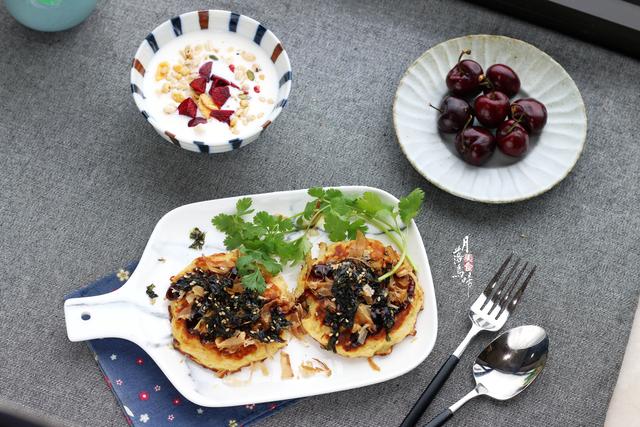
(435,108)
(513,126)
(469,120)
(464,52)
(517,116)
(485,81)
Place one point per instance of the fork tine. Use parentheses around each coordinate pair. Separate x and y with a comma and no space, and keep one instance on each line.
(516,298)
(497,296)
(502,304)
(492,283)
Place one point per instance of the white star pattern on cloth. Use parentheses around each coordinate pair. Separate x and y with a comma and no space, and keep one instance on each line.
(144,418)
(157,388)
(113,357)
(118,381)
(170,417)
(200,411)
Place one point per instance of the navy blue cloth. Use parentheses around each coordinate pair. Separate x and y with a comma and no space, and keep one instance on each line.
(145,394)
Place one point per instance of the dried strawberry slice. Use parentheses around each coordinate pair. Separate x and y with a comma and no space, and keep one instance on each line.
(219,95)
(199,84)
(222,115)
(221,81)
(196,121)
(188,108)
(205,70)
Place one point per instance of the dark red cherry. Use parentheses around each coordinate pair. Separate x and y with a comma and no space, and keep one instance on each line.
(502,78)
(531,113)
(512,138)
(465,77)
(475,145)
(491,108)
(454,114)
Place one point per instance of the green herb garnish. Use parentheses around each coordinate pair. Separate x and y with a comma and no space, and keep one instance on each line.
(197,236)
(263,242)
(150,293)
(344,216)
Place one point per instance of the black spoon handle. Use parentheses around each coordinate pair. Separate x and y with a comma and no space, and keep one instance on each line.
(440,419)
(430,392)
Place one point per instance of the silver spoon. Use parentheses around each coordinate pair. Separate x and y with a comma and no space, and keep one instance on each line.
(506,367)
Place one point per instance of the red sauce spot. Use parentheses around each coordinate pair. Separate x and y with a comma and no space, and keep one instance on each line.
(340,251)
(272,292)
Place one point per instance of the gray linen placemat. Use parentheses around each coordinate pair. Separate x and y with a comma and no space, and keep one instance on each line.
(84,179)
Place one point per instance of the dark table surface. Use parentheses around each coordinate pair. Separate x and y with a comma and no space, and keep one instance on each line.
(84,179)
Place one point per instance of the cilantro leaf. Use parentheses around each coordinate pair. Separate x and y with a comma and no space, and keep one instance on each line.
(333,193)
(243,206)
(409,206)
(285,225)
(371,203)
(264,219)
(310,209)
(224,222)
(232,241)
(317,192)
(271,265)
(335,227)
(354,227)
(254,281)
(340,206)
(295,251)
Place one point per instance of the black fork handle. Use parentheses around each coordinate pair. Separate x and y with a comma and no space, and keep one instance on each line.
(440,419)
(430,392)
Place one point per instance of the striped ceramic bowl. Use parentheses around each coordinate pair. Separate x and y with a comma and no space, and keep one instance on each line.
(215,21)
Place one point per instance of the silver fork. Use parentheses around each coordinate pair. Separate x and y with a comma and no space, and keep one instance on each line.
(489,312)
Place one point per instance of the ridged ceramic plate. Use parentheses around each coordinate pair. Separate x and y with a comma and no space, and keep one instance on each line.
(502,179)
(127,313)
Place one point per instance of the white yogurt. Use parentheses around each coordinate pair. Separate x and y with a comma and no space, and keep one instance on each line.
(230,49)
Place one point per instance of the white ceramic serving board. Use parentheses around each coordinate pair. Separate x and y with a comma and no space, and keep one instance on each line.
(127,313)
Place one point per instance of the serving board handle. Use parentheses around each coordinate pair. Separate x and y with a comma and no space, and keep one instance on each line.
(103,316)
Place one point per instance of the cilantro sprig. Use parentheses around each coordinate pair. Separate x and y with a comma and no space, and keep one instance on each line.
(262,242)
(265,242)
(344,216)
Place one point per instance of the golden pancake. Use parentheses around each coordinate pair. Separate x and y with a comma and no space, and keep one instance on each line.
(347,309)
(218,323)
